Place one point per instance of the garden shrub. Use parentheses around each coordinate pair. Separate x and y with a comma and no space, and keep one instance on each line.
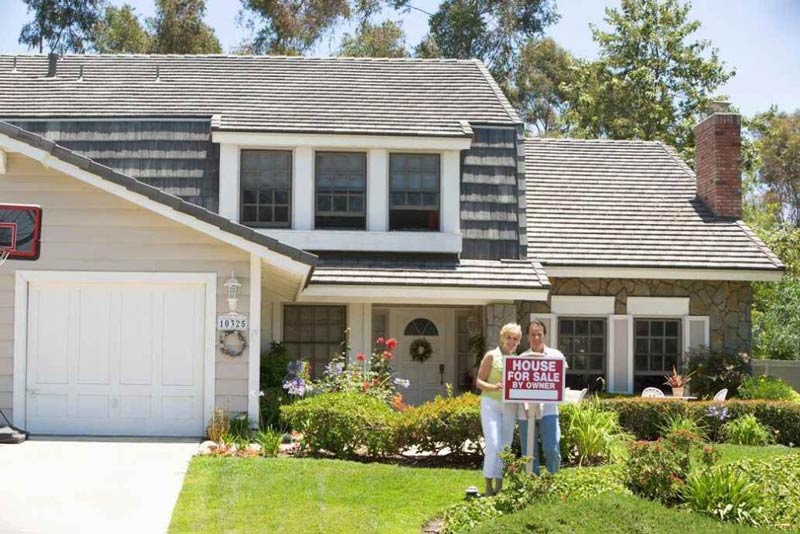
(270,441)
(715,370)
(746,430)
(273,371)
(722,492)
(218,425)
(778,480)
(657,470)
(687,423)
(643,417)
(589,481)
(769,388)
(590,434)
(443,422)
(344,424)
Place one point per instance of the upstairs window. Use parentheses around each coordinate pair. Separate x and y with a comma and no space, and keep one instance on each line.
(414,192)
(341,188)
(266,184)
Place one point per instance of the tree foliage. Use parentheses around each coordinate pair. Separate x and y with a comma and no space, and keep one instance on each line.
(544,70)
(178,28)
(652,79)
(120,32)
(295,27)
(777,138)
(493,31)
(64,25)
(375,40)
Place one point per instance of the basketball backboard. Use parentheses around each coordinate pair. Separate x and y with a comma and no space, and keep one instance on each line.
(20,231)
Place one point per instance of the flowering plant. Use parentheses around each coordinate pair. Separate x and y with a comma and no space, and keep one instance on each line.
(676,380)
(370,374)
(298,378)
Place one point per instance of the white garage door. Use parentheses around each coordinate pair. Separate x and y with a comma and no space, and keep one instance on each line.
(115,358)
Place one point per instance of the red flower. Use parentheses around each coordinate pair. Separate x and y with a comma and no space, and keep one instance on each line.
(391,343)
(361,357)
(364,386)
(380,341)
(388,355)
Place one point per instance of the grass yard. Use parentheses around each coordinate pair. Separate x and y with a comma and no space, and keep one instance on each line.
(734,453)
(614,514)
(227,495)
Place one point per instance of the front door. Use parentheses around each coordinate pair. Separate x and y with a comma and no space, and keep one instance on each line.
(437,327)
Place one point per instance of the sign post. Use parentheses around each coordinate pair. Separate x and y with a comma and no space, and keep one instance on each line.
(534,378)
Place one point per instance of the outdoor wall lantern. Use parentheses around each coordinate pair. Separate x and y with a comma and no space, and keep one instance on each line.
(232,287)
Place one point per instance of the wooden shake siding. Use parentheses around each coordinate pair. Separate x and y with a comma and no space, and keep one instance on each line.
(176,156)
(86,229)
(492,195)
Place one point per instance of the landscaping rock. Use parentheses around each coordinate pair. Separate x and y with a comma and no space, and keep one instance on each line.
(207,447)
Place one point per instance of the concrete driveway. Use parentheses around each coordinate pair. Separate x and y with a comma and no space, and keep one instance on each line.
(91,486)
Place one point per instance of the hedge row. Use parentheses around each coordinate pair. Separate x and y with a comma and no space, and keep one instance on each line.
(351,423)
(643,416)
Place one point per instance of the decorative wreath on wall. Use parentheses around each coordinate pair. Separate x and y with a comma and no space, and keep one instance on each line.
(420,350)
(232,343)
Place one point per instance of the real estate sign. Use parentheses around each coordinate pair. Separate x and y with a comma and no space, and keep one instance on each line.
(533,379)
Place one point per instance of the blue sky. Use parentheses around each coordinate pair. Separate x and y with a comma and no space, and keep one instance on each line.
(759,38)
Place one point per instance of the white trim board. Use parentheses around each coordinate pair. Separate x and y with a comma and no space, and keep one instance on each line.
(323,141)
(658,306)
(254,344)
(24,278)
(581,305)
(417,294)
(735,275)
(50,161)
(358,240)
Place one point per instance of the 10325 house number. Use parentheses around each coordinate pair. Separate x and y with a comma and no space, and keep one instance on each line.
(229,322)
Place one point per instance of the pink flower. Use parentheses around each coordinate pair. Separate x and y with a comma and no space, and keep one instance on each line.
(388,355)
(391,343)
(361,357)
(380,341)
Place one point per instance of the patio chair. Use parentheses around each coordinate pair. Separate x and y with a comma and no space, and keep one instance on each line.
(721,395)
(652,392)
(574,396)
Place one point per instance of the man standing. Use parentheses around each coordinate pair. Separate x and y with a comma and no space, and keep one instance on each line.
(546,413)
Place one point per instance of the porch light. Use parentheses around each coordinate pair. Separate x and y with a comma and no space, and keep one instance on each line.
(232,287)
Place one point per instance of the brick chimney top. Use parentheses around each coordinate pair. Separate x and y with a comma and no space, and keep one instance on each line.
(718,162)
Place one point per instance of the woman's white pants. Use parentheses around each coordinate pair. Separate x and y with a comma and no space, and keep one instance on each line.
(497,420)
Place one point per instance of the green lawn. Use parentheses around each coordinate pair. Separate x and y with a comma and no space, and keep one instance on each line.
(227,495)
(614,514)
(231,496)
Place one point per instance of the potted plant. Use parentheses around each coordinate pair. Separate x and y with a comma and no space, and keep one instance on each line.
(677,382)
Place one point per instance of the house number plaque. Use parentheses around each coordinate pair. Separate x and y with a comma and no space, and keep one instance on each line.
(232,321)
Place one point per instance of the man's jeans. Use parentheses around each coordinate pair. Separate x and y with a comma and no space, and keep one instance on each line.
(547,427)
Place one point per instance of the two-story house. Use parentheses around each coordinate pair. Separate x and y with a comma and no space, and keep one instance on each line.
(393,198)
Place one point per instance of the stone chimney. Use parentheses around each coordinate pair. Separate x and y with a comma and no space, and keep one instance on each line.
(718,162)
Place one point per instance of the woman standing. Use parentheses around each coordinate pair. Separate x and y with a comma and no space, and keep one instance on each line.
(497,417)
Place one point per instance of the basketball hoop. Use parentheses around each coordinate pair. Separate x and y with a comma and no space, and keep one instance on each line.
(20,232)
(4,255)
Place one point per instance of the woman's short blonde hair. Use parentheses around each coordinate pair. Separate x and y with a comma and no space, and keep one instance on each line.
(510,328)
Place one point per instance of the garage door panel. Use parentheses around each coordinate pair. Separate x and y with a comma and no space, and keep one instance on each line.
(94,335)
(49,342)
(184,339)
(96,406)
(136,355)
(128,359)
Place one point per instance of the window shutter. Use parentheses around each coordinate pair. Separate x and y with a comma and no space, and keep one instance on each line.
(620,354)
(696,332)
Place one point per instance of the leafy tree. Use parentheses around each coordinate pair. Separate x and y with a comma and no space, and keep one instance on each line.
(294,27)
(65,25)
(651,81)
(178,28)
(777,138)
(493,31)
(120,32)
(384,40)
(543,71)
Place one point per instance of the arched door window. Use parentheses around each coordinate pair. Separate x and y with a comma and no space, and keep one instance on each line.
(421,327)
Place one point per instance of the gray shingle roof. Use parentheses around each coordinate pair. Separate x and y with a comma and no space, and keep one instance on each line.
(153,193)
(627,204)
(496,274)
(262,93)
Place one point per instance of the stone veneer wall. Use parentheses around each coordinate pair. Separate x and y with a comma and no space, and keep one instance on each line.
(495,316)
(726,303)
